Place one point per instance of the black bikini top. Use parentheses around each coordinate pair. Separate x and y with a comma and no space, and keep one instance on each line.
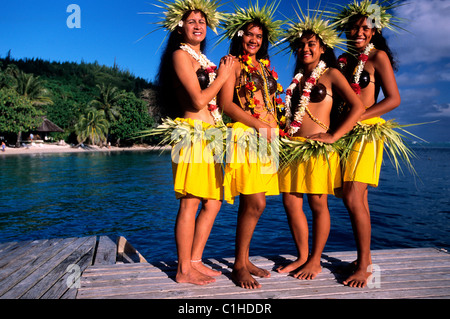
(259,82)
(318,93)
(364,79)
(203,78)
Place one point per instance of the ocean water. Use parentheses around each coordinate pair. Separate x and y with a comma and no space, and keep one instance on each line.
(130,194)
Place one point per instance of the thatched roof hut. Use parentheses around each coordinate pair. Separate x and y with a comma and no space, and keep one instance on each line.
(48,126)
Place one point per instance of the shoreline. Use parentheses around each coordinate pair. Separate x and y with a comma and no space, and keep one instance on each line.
(55,149)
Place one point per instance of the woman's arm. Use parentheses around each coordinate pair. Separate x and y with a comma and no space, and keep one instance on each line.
(186,74)
(391,100)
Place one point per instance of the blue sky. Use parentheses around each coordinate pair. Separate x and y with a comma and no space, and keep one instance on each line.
(110,31)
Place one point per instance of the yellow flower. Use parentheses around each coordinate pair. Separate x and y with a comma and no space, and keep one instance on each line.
(265,62)
(283,119)
(279,87)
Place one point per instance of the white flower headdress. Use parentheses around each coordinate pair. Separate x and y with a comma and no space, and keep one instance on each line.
(315,24)
(235,22)
(174,11)
(376,11)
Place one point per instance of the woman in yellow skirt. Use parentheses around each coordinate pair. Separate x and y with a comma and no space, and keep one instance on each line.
(189,85)
(249,99)
(371,68)
(308,166)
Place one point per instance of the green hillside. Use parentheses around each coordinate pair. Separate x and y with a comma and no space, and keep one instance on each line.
(78,97)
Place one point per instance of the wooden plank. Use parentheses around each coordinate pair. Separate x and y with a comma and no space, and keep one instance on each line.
(30,262)
(416,273)
(54,284)
(39,270)
(106,252)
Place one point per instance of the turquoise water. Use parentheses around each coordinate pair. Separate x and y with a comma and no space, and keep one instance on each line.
(130,194)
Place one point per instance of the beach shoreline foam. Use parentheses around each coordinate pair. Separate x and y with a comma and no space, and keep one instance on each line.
(45,148)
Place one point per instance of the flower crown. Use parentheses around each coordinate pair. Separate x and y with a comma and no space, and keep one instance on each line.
(176,9)
(375,10)
(322,28)
(235,22)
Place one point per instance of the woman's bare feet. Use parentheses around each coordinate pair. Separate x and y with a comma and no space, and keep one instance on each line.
(292,266)
(193,276)
(242,278)
(256,271)
(198,265)
(359,278)
(309,270)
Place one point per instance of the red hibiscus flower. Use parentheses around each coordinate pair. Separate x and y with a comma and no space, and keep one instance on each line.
(283,133)
(212,107)
(363,57)
(342,59)
(250,86)
(311,80)
(211,69)
(356,88)
(296,124)
(275,75)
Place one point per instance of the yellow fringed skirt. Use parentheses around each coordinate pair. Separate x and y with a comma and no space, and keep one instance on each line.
(364,161)
(317,175)
(248,170)
(195,170)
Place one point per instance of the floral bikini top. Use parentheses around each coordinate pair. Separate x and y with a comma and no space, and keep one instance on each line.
(259,82)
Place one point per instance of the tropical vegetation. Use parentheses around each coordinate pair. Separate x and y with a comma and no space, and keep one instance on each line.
(92,103)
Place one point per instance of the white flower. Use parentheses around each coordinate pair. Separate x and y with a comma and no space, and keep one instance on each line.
(180,24)
(240,33)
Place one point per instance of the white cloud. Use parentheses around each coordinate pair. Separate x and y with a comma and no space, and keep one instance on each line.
(429,27)
(439,110)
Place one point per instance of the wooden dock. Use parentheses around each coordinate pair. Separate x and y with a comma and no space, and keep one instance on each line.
(100,268)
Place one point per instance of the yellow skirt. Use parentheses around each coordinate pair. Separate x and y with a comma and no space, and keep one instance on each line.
(247,170)
(317,175)
(194,168)
(365,159)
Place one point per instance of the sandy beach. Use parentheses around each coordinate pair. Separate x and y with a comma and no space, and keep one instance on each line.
(44,148)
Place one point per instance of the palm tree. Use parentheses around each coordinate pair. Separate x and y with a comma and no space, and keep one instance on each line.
(30,86)
(93,127)
(107,101)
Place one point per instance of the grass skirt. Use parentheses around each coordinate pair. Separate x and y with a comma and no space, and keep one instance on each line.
(248,169)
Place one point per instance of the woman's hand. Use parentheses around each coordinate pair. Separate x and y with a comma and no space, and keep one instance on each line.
(225,67)
(323,137)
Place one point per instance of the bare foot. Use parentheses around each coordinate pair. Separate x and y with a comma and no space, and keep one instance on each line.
(291,267)
(256,271)
(193,276)
(359,278)
(205,270)
(242,278)
(309,270)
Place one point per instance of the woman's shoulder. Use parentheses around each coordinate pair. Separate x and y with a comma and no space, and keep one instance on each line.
(379,55)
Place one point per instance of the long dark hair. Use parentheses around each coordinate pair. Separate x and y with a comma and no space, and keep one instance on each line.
(237,49)
(167,103)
